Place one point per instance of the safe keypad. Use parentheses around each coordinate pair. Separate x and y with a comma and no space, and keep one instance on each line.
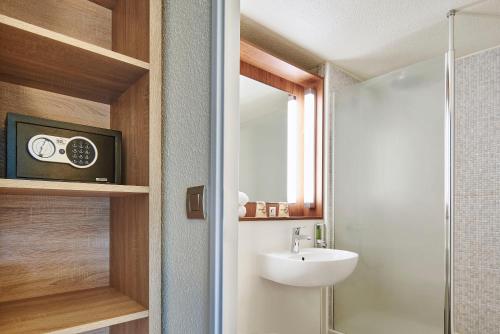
(80,152)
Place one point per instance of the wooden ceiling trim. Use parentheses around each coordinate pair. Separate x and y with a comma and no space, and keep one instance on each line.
(257,57)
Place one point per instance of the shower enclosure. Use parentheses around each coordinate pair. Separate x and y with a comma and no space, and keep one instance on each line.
(389,200)
(417,189)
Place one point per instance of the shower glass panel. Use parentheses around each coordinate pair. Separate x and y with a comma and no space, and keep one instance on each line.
(389,202)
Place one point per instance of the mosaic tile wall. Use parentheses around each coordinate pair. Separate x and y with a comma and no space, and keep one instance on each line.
(477,220)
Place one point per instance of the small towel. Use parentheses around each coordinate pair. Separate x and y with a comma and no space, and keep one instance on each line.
(243,198)
(242,211)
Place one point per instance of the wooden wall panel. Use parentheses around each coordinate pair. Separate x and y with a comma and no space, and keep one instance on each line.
(79,19)
(99,331)
(129,258)
(129,255)
(140,326)
(40,103)
(52,245)
(131,28)
(110,4)
(130,115)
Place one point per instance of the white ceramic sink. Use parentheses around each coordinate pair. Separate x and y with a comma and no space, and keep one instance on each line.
(312,267)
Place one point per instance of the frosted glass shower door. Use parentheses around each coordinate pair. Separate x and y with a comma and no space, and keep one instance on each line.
(388,183)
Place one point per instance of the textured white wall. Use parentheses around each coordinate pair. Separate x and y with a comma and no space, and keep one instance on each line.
(266,307)
(186,161)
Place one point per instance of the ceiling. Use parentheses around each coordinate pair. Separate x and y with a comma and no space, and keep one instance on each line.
(367,37)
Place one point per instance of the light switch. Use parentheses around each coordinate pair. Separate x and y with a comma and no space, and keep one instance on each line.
(195,202)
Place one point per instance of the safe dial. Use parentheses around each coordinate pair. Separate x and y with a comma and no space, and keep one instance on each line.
(43,147)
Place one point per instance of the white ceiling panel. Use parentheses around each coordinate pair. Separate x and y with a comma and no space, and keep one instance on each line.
(366,37)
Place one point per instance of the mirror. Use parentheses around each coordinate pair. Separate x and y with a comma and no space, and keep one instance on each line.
(281,139)
(263,141)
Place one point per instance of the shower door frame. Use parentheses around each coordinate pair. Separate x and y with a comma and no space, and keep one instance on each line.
(449,172)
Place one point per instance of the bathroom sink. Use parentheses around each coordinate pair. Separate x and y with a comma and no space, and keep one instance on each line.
(311,267)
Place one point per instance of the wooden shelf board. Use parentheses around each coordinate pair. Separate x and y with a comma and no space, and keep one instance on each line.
(255,56)
(68,313)
(249,219)
(40,58)
(34,187)
(109,4)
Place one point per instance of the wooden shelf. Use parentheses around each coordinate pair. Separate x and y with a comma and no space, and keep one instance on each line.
(259,58)
(74,312)
(246,219)
(33,187)
(40,58)
(109,4)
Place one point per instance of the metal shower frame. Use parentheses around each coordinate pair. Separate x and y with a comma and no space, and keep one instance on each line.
(449,171)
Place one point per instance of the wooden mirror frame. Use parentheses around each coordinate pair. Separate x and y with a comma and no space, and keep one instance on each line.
(261,66)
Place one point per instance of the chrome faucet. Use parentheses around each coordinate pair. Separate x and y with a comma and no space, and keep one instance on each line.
(296,237)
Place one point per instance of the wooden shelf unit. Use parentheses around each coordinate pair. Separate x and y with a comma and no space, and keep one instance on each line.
(36,57)
(52,188)
(78,257)
(73,312)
